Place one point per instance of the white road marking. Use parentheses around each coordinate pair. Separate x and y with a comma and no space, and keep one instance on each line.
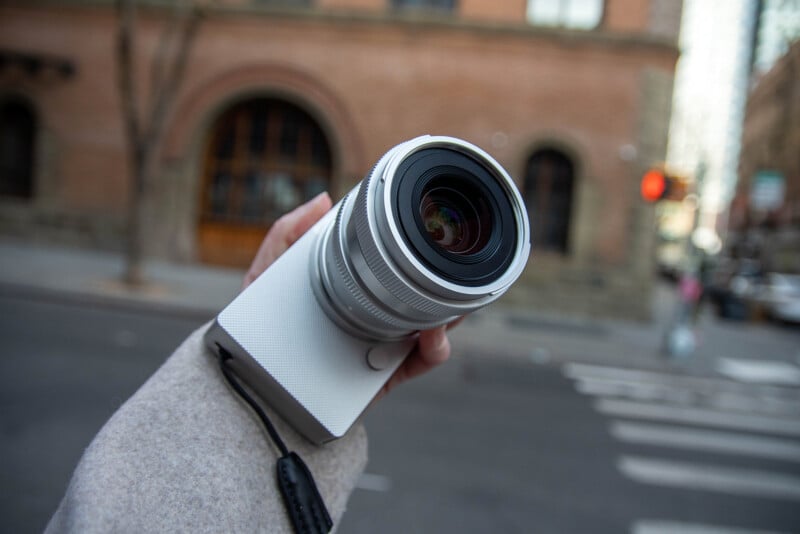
(585,370)
(658,526)
(701,416)
(373,482)
(579,371)
(759,371)
(636,390)
(736,481)
(682,437)
(643,391)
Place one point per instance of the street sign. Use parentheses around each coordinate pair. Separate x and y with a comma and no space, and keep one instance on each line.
(767,190)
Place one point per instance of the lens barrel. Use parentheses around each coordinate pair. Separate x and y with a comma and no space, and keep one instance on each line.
(435,231)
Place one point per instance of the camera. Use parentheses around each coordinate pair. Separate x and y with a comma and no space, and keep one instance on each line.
(436,230)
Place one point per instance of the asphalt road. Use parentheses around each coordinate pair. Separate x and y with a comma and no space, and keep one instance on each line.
(64,370)
(480,445)
(487,446)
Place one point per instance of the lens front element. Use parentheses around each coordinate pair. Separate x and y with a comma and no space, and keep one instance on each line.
(454,215)
(453,222)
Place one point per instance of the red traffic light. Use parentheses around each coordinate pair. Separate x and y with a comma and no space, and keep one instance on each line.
(654,185)
(658,185)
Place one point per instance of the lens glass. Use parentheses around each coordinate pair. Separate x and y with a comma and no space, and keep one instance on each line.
(452,221)
(455,215)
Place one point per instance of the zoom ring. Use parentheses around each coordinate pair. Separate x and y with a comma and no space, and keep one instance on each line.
(354,289)
(378,265)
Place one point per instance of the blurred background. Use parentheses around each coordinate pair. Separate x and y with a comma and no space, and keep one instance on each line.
(642,376)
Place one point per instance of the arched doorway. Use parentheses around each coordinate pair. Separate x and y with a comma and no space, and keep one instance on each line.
(264,157)
(17,139)
(549,185)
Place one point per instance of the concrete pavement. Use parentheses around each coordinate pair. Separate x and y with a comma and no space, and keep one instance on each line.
(94,277)
(498,331)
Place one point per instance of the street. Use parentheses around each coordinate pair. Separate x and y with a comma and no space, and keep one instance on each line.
(480,445)
(65,369)
(487,446)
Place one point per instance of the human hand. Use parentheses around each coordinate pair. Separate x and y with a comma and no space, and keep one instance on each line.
(432,349)
(286,230)
(433,346)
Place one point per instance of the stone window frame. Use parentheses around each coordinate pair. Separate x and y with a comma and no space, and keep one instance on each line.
(565,244)
(563,18)
(428,6)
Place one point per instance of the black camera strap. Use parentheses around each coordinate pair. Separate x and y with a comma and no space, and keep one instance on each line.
(301,498)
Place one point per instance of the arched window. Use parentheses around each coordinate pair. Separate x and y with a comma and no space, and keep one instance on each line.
(264,157)
(549,186)
(17,139)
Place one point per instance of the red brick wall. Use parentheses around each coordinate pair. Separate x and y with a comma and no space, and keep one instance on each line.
(80,113)
(371,81)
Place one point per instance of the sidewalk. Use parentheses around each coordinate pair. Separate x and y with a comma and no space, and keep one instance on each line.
(94,278)
(90,277)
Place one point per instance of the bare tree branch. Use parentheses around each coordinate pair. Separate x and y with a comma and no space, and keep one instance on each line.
(144,132)
(166,45)
(168,89)
(126,12)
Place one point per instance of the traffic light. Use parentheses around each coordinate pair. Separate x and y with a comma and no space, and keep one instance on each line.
(654,185)
(658,185)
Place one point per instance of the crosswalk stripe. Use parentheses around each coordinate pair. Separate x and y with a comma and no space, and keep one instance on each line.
(736,481)
(657,399)
(701,383)
(586,370)
(637,390)
(706,440)
(759,371)
(700,416)
(659,526)
(605,387)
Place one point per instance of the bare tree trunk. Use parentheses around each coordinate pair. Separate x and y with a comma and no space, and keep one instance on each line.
(143,134)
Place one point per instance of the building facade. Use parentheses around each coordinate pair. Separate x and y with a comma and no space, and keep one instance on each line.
(764,222)
(280,100)
(710,91)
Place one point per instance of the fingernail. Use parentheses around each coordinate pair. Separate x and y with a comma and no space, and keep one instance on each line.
(441,336)
(319,196)
(309,204)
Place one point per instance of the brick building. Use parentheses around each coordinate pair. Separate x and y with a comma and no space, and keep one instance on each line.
(282,99)
(764,221)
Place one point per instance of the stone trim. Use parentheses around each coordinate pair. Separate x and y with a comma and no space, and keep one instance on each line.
(417,21)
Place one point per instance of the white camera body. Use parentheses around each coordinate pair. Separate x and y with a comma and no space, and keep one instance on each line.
(294,356)
(435,231)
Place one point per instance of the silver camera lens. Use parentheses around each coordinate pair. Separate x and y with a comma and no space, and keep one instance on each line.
(436,230)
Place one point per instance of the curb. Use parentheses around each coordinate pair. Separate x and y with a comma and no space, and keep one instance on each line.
(117,302)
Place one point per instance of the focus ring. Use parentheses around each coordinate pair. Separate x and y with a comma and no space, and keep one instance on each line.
(377,263)
(350,285)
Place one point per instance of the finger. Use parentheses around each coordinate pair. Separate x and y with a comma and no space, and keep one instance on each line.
(456,322)
(285,232)
(433,349)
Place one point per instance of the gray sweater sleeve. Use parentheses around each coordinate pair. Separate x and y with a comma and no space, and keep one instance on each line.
(184,454)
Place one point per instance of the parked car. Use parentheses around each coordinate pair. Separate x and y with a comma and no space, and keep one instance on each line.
(733,287)
(779,294)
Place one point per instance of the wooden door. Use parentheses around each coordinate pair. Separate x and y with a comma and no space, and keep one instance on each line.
(264,157)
